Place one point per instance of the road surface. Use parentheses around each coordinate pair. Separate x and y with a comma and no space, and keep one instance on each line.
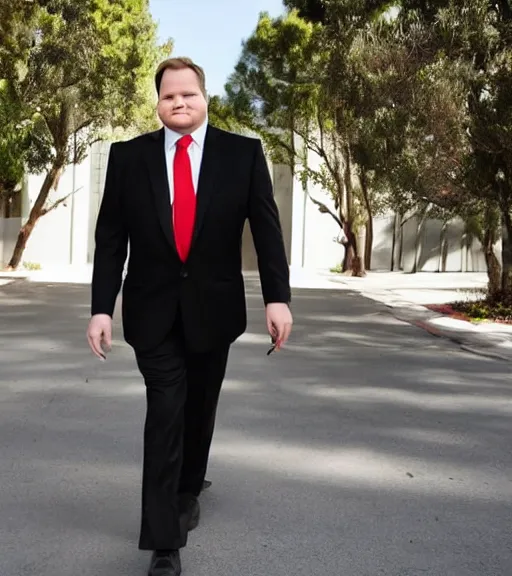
(366,448)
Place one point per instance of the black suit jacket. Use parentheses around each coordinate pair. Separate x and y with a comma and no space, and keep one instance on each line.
(234,184)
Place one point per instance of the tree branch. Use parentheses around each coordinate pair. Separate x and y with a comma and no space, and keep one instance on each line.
(83,125)
(325,210)
(317,149)
(59,202)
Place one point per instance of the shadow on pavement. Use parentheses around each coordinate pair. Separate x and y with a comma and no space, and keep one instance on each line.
(368,447)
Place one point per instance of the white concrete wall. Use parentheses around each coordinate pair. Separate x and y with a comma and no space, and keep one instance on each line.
(9,228)
(98,164)
(66,236)
(60,237)
(314,235)
(382,242)
(283,193)
(457,255)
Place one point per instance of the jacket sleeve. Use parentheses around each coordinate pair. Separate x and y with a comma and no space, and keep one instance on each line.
(111,240)
(267,233)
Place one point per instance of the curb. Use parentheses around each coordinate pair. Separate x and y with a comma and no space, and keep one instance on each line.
(424,325)
(466,336)
(461,340)
(7,281)
(12,277)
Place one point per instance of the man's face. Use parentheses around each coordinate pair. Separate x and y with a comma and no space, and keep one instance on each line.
(181,104)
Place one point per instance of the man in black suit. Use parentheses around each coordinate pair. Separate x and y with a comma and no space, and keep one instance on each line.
(181,196)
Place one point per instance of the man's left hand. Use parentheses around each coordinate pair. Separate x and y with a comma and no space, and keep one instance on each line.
(279,322)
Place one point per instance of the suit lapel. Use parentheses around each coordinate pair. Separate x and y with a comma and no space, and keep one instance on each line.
(157,165)
(207,178)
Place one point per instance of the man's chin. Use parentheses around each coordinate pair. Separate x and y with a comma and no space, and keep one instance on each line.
(180,124)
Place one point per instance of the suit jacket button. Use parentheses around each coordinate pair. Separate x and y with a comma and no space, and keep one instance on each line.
(184,274)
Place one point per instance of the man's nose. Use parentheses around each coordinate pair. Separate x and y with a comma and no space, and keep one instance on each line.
(178,102)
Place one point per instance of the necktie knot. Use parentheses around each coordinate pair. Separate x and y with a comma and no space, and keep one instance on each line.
(184,142)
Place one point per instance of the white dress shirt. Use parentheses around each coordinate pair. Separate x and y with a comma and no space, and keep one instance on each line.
(195,152)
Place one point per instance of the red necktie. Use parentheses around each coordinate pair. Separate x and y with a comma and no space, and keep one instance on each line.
(184,198)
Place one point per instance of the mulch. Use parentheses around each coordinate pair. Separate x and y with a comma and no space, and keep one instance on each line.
(447,310)
(450,312)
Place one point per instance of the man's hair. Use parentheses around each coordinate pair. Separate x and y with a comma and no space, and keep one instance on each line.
(180,64)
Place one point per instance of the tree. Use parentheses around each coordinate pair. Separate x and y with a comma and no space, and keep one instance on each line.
(14,143)
(459,65)
(87,68)
(417,104)
(309,10)
(16,19)
(222,115)
(277,89)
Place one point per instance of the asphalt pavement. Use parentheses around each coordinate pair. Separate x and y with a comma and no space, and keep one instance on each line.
(368,447)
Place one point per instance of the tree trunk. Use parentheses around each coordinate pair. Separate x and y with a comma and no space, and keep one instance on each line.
(352,260)
(417,241)
(487,238)
(506,273)
(350,248)
(368,245)
(8,193)
(347,182)
(393,243)
(36,212)
(363,179)
(352,263)
(493,264)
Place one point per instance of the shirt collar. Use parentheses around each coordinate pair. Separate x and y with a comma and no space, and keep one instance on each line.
(198,136)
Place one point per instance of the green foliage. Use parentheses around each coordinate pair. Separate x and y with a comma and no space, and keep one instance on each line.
(32,266)
(15,139)
(408,104)
(17,21)
(222,115)
(18,129)
(475,40)
(76,72)
(82,67)
(494,309)
(275,87)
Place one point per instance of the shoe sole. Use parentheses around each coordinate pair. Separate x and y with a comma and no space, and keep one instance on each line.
(164,572)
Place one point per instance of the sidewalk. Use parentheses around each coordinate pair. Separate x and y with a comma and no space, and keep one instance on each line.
(405,294)
(51,274)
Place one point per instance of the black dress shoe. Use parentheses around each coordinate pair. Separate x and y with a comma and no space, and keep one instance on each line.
(165,563)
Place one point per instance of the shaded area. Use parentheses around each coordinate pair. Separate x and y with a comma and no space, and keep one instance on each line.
(366,448)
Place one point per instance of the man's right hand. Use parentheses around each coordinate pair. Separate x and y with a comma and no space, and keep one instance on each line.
(99,334)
